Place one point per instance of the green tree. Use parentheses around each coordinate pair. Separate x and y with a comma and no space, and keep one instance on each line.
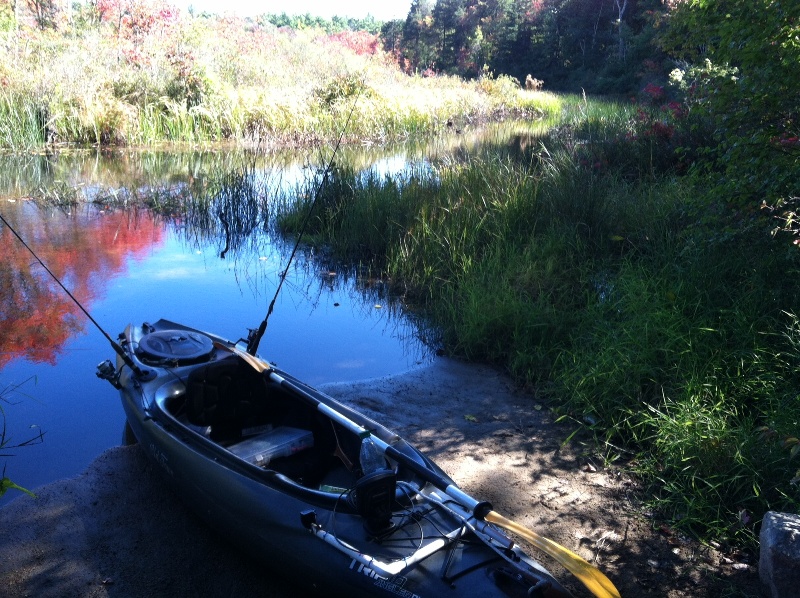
(740,72)
(417,38)
(449,34)
(578,44)
(601,46)
(392,36)
(513,40)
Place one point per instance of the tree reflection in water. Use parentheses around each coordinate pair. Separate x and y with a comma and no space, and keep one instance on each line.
(84,248)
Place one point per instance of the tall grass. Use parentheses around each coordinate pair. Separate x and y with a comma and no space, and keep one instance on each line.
(21,124)
(204,80)
(659,323)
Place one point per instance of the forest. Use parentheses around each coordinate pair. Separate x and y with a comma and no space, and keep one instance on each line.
(600,46)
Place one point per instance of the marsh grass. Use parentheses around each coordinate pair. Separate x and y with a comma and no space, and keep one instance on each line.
(202,81)
(654,322)
(60,194)
(21,126)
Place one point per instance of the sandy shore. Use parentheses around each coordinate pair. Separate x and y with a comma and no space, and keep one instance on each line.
(117,531)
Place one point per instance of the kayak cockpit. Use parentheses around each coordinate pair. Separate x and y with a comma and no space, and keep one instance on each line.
(261,423)
(240,410)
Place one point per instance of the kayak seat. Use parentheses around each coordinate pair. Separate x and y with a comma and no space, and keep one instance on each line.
(229,396)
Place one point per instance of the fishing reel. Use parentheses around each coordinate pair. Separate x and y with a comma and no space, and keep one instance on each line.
(107,371)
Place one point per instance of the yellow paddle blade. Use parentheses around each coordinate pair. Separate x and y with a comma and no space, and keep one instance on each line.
(597,583)
(254,362)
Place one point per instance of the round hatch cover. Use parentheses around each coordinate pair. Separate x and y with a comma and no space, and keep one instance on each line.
(182,346)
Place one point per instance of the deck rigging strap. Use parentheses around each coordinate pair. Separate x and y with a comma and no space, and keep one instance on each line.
(254,338)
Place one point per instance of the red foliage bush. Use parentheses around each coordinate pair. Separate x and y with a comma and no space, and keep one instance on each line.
(360,42)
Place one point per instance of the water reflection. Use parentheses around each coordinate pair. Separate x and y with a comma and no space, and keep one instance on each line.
(205,253)
(109,171)
(209,198)
(83,249)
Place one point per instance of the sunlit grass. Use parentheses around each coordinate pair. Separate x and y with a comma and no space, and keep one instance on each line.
(660,333)
(205,82)
(21,126)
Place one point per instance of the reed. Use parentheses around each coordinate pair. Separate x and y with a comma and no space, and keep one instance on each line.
(21,121)
(653,321)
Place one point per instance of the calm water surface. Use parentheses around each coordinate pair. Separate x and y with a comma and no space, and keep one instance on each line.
(128,266)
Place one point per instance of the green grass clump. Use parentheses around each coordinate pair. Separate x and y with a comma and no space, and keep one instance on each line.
(21,125)
(662,324)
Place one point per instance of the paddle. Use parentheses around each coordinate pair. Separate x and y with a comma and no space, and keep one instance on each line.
(594,579)
(588,574)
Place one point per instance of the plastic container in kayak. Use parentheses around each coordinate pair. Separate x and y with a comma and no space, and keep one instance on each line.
(279,442)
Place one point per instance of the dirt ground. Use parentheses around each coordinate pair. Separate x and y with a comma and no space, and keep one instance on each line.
(116,531)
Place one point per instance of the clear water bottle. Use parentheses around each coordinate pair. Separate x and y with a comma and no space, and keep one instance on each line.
(371,457)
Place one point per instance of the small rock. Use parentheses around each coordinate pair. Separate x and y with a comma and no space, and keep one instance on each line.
(741,566)
(779,564)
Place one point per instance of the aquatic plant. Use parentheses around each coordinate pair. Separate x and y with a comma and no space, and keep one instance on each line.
(6,442)
(659,324)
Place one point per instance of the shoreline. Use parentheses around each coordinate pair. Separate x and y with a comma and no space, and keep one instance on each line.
(117,531)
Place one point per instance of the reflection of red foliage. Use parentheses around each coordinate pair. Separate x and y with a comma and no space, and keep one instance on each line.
(84,252)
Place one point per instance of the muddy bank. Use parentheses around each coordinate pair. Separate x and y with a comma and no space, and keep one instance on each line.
(117,531)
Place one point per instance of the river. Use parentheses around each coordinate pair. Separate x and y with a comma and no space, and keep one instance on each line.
(80,212)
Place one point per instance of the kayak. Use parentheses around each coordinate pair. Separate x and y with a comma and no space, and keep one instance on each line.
(302,483)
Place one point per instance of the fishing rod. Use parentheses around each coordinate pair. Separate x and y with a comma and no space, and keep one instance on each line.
(116,346)
(254,338)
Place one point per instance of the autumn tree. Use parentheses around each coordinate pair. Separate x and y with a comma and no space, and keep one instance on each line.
(43,13)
